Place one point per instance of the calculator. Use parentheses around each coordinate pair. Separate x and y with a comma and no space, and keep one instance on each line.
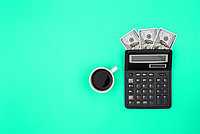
(148,79)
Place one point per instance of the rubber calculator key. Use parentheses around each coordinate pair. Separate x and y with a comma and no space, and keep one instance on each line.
(145,91)
(138,97)
(130,80)
(144,102)
(130,97)
(151,86)
(131,102)
(130,74)
(158,99)
(151,80)
(138,91)
(130,85)
(151,74)
(138,74)
(138,86)
(162,74)
(151,102)
(158,80)
(151,97)
(158,85)
(144,85)
(144,80)
(165,99)
(165,91)
(144,74)
(151,91)
(138,102)
(144,97)
(165,80)
(130,91)
(158,91)
(138,80)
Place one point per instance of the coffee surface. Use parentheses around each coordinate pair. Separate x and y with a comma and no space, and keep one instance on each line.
(102,79)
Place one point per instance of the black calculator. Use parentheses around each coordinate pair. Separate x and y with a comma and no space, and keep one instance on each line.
(148,79)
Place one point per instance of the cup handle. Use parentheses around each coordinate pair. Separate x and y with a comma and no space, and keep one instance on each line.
(114,69)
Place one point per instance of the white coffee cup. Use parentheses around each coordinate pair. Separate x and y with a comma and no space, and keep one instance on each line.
(111,73)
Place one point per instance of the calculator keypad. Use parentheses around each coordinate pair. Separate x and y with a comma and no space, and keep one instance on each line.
(147,89)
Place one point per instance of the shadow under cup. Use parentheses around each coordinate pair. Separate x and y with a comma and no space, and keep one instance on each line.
(102,79)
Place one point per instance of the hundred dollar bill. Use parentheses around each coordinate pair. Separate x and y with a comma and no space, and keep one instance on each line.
(164,39)
(147,37)
(131,40)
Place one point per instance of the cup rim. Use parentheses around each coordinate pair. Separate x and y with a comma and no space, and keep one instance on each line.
(90,81)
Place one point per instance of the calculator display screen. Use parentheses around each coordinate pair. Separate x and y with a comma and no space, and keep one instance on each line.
(149,58)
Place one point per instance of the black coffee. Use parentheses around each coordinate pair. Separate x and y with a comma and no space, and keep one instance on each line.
(101,79)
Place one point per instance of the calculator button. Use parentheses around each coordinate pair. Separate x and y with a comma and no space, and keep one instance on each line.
(158,80)
(144,97)
(138,86)
(144,91)
(138,97)
(130,85)
(159,100)
(138,80)
(165,80)
(144,74)
(130,97)
(158,85)
(151,91)
(130,91)
(144,85)
(151,97)
(158,91)
(144,102)
(130,80)
(165,99)
(151,86)
(131,102)
(138,102)
(151,102)
(151,80)
(162,74)
(164,85)
(151,74)
(138,91)
(137,74)
(144,80)
(130,74)
(165,91)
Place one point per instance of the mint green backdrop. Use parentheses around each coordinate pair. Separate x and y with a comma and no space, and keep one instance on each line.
(49,47)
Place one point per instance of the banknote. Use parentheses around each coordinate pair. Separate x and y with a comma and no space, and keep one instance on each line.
(147,37)
(164,39)
(131,40)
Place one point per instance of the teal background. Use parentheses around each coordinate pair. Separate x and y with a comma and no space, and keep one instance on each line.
(49,47)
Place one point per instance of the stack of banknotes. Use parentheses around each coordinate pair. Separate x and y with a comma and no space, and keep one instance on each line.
(148,39)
